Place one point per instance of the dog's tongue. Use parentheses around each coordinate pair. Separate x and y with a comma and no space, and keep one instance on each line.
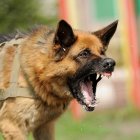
(87,91)
(107,74)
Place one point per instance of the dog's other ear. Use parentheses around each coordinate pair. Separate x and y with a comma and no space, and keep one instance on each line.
(106,34)
(64,35)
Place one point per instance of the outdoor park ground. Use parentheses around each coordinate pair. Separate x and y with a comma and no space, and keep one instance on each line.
(116,124)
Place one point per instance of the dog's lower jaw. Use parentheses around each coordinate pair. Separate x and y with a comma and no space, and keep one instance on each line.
(89,109)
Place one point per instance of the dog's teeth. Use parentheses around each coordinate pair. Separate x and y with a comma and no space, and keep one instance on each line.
(100,75)
(94,105)
(84,106)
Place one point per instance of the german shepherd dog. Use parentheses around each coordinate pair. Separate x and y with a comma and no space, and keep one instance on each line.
(43,70)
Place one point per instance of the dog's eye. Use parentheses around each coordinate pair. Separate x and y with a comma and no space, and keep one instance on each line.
(85,54)
(102,52)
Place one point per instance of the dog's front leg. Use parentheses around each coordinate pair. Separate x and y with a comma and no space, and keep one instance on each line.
(45,132)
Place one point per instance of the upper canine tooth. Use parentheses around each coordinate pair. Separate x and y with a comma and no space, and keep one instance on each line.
(98,75)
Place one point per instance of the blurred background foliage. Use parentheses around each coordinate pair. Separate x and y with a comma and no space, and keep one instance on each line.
(20,14)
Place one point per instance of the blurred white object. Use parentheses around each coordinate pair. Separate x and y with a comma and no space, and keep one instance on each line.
(112,92)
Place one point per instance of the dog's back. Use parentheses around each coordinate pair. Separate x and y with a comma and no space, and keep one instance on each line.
(18,113)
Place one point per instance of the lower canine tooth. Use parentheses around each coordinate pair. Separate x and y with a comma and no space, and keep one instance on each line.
(109,77)
(94,105)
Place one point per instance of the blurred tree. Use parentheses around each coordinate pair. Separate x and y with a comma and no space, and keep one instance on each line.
(20,14)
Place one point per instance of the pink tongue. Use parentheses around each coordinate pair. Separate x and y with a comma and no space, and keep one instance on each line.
(107,74)
(86,89)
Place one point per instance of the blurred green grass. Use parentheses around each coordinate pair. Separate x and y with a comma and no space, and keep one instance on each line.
(116,124)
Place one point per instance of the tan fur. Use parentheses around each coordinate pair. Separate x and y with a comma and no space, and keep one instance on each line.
(20,115)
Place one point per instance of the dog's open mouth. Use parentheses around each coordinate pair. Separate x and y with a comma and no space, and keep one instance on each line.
(88,89)
(83,84)
(84,89)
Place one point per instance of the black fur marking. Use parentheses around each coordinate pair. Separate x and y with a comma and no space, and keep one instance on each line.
(2,45)
(17,35)
(64,35)
(5,38)
(21,34)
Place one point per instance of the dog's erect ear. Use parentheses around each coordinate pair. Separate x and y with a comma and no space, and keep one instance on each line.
(106,34)
(64,35)
(64,38)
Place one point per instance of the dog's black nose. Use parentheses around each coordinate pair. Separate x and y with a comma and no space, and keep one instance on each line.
(108,63)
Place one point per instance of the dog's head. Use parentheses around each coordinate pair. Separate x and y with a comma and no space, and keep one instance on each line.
(74,62)
(87,50)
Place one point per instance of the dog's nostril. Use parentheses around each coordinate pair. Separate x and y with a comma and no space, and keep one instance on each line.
(108,64)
